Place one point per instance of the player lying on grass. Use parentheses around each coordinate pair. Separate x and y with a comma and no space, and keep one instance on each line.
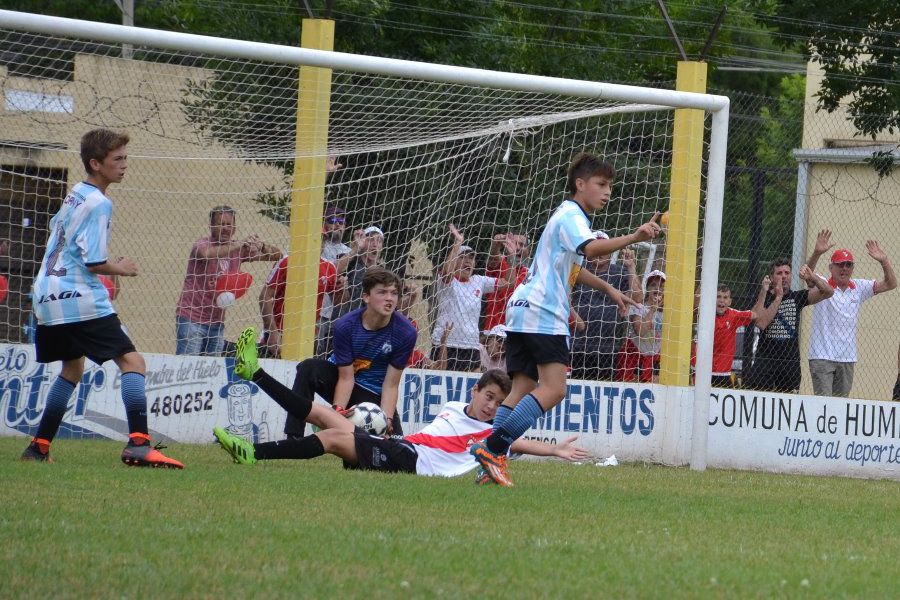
(441,448)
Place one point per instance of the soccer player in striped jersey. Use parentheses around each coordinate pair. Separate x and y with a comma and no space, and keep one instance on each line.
(73,309)
(537,328)
(440,449)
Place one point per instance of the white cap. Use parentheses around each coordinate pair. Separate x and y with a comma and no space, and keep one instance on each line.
(600,235)
(463,249)
(496,330)
(656,273)
(373,229)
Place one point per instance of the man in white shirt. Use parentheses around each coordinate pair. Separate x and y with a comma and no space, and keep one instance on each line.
(832,343)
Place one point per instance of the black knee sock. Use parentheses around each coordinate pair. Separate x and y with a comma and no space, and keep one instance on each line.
(308,447)
(295,404)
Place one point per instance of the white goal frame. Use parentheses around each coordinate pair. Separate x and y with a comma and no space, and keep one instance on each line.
(716,106)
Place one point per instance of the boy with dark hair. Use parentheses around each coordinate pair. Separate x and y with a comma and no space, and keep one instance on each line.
(776,366)
(372,346)
(728,321)
(440,449)
(73,309)
(537,337)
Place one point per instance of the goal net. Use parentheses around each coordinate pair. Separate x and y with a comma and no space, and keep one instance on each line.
(409,161)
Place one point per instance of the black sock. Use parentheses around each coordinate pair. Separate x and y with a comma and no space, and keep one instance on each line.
(293,403)
(308,447)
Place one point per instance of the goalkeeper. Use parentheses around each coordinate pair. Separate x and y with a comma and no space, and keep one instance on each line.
(440,449)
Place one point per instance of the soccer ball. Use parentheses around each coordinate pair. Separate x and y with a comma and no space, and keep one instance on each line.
(370,417)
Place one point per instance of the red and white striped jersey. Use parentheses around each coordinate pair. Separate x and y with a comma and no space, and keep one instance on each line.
(443,445)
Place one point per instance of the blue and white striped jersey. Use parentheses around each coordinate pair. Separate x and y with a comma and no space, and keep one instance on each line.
(541,303)
(64,291)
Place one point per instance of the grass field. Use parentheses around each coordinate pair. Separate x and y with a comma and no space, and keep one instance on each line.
(88,527)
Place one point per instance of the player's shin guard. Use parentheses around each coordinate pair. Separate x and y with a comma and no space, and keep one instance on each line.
(520,420)
(57,402)
(135,399)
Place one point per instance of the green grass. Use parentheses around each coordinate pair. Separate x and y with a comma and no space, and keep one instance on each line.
(87,526)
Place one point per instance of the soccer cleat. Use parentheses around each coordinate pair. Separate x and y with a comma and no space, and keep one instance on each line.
(139,453)
(493,464)
(482,478)
(38,450)
(246,361)
(241,450)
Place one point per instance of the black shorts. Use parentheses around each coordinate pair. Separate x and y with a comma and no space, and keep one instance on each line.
(391,455)
(525,351)
(100,340)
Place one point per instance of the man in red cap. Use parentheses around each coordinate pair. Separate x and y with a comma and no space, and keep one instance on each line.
(832,342)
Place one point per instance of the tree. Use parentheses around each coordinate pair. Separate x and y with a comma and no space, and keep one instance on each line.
(858,45)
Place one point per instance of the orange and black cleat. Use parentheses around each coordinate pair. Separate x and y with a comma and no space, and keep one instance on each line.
(493,464)
(139,453)
(38,450)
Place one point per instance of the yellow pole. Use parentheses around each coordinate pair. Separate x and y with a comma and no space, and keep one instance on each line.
(307,196)
(681,241)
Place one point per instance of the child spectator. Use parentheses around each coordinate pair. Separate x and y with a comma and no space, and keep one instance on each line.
(728,321)
(638,358)
(493,349)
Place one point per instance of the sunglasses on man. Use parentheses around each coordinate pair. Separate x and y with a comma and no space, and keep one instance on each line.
(845,265)
(335,220)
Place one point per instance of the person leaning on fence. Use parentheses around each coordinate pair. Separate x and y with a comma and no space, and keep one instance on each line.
(594,349)
(271,302)
(776,365)
(728,321)
(199,321)
(459,297)
(638,359)
(832,341)
(333,249)
(508,251)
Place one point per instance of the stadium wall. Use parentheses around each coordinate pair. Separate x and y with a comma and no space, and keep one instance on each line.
(188,396)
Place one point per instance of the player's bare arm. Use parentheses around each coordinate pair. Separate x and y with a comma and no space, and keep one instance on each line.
(587,278)
(126,267)
(344,387)
(389,392)
(566,450)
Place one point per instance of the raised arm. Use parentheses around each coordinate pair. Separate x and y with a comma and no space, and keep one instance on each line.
(602,247)
(823,245)
(357,247)
(635,290)
(765,314)
(495,254)
(890,279)
(819,289)
(446,270)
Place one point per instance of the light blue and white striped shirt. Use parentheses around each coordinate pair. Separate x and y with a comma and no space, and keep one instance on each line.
(65,291)
(541,303)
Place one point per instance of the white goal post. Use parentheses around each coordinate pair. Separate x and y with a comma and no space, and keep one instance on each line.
(716,107)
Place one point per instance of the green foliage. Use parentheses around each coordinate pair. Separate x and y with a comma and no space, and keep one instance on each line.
(860,57)
(88,527)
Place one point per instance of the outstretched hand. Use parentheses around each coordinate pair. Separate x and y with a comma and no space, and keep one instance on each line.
(875,251)
(128,267)
(823,242)
(569,451)
(649,230)
(457,236)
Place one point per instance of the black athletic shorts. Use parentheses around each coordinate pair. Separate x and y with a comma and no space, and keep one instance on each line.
(391,455)
(525,351)
(100,340)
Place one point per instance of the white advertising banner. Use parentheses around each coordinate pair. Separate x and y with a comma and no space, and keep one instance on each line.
(189,395)
(811,435)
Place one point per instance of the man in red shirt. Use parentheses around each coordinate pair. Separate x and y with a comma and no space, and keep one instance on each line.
(271,301)
(728,321)
(508,251)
